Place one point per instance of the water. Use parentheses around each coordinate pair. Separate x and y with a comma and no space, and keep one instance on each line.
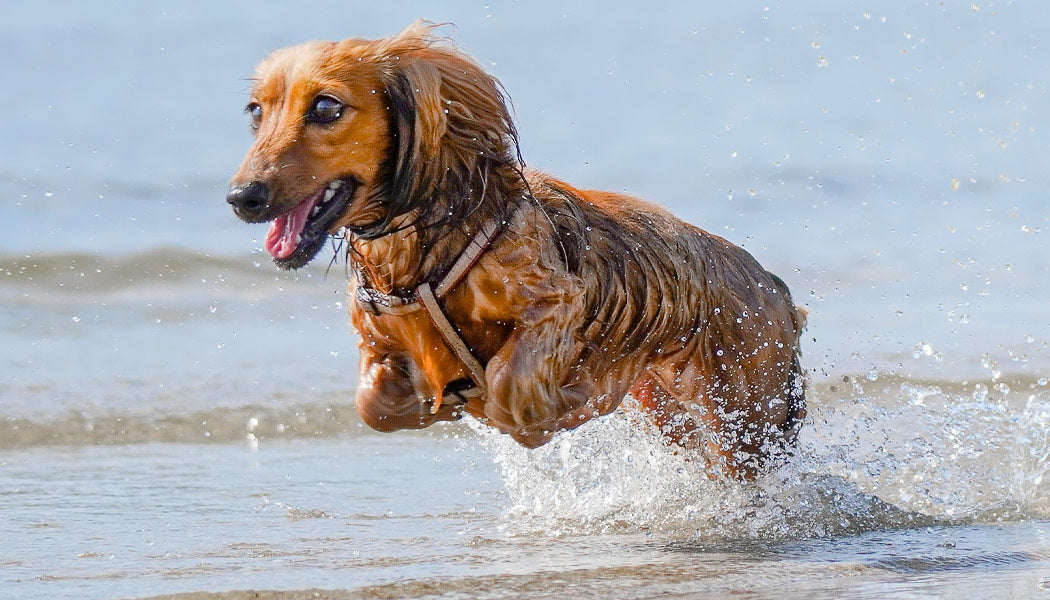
(176,416)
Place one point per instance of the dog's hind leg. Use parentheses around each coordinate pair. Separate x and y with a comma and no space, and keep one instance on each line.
(739,418)
(688,425)
(387,397)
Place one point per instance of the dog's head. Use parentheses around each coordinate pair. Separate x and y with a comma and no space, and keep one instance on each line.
(370,135)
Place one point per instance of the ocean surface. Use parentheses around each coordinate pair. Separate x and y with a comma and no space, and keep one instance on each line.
(176,414)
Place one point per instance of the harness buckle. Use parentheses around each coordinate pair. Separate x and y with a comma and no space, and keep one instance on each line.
(368,301)
(461,389)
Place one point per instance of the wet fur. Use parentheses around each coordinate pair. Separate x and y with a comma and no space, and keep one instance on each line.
(585,296)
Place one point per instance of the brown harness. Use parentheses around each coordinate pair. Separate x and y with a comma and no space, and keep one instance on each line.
(426,297)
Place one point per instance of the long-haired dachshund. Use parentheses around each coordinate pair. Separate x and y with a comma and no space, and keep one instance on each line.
(482,288)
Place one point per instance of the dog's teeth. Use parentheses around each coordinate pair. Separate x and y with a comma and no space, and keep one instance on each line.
(298,238)
(335,185)
(328,194)
(317,209)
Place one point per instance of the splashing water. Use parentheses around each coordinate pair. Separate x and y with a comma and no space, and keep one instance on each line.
(905,454)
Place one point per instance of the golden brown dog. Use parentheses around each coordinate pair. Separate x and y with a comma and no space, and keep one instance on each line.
(509,295)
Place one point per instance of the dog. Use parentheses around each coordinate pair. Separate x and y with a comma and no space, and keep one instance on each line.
(479,287)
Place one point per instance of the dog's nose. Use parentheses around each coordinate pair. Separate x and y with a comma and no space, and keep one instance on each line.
(249,199)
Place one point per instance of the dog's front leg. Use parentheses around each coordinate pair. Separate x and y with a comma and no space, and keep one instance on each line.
(531,391)
(387,397)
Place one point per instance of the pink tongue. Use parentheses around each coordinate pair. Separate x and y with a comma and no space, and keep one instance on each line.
(283,236)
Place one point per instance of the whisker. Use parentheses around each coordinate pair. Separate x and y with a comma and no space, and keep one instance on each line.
(336,246)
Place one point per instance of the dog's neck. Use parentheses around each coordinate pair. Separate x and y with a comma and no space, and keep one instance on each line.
(393,261)
(397,262)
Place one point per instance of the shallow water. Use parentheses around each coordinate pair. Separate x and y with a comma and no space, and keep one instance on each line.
(176,415)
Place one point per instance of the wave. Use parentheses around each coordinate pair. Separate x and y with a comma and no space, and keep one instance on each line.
(169,275)
(249,424)
(80,272)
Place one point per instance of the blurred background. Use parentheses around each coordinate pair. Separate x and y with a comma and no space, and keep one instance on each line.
(889,162)
(176,414)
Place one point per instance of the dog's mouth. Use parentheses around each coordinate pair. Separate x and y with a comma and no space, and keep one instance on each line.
(296,237)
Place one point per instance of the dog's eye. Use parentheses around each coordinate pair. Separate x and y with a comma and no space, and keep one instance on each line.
(324,110)
(254,109)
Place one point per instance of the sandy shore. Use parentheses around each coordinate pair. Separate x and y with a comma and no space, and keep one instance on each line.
(277,595)
(255,595)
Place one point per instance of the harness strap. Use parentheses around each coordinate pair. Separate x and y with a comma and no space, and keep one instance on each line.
(378,303)
(477,246)
(426,297)
(452,337)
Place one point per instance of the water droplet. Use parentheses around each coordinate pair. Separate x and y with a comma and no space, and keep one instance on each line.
(980,392)
(925,349)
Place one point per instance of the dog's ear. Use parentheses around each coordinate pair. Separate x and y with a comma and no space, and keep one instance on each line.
(402,173)
(450,123)
(418,125)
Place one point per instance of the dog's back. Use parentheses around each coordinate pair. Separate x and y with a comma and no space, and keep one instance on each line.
(690,322)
